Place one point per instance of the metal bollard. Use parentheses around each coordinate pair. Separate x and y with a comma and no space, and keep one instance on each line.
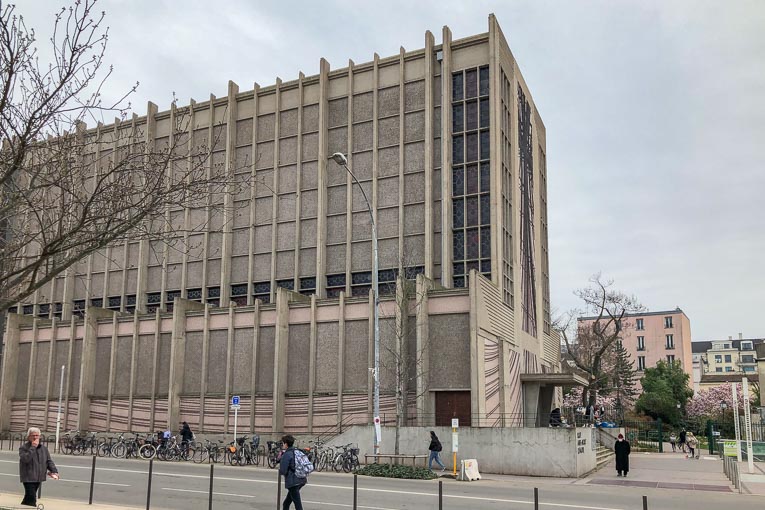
(355,491)
(440,495)
(148,490)
(645,502)
(536,498)
(278,491)
(92,480)
(212,467)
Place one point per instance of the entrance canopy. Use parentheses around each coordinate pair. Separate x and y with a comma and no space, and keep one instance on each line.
(554,379)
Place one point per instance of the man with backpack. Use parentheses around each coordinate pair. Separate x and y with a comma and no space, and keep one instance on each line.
(295,468)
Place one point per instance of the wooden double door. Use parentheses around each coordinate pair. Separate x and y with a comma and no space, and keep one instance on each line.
(452,404)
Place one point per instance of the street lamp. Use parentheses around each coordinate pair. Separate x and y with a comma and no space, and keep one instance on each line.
(341,160)
(723,407)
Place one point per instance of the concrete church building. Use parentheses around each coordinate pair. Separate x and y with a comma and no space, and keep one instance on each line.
(276,306)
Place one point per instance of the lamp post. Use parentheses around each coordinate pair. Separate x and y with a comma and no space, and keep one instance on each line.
(341,160)
(723,407)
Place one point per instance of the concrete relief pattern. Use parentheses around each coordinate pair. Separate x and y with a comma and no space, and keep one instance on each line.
(362,107)
(98,410)
(310,118)
(514,389)
(163,365)
(265,127)
(414,96)
(491,381)
(362,137)
(244,132)
(263,412)
(388,161)
(213,415)
(309,175)
(387,102)
(309,204)
(40,374)
(19,415)
(338,112)
(118,419)
(296,413)
(388,131)
(324,412)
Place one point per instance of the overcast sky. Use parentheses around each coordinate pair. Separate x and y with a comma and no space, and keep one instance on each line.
(655,116)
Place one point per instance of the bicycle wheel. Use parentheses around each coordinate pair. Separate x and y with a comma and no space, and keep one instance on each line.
(119,450)
(215,455)
(103,450)
(200,455)
(147,451)
(337,464)
(272,459)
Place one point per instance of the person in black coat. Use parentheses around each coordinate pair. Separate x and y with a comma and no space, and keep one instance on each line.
(435,447)
(34,465)
(292,482)
(622,451)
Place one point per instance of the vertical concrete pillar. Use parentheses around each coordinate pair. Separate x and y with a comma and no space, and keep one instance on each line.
(51,368)
(68,389)
(190,162)
(229,361)
(112,373)
(312,363)
(274,185)
(208,204)
(205,364)
(321,213)
(228,198)
(429,223)
(281,353)
(178,357)
(446,159)
(402,264)
(298,186)
(254,364)
(495,155)
(477,369)
(425,405)
(254,155)
(32,364)
(88,362)
(340,356)
(168,225)
(349,186)
(154,368)
(10,365)
(134,366)
(144,246)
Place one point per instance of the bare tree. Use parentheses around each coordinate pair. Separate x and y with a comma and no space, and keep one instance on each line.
(66,191)
(404,359)
(590,344)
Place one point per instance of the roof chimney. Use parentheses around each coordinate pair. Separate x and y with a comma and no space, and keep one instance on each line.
(740,336)
(730,337)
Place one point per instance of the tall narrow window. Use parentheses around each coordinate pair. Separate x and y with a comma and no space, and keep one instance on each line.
(667,322)
(641,363)
(471,203)
(670,358)
(670,341)
(639,324)
(641,343)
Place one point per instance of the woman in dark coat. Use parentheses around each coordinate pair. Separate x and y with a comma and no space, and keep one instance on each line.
(622,451)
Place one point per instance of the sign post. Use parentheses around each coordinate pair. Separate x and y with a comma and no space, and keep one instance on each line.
(58,416)
(736,426)
(378,433)
(455,443)
(235,406)
(748,425)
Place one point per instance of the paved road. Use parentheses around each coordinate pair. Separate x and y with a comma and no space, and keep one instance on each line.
(185,486)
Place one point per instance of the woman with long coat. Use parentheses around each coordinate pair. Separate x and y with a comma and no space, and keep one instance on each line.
(622,451)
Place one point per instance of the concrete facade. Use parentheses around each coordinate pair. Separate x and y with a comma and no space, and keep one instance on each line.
(271,298)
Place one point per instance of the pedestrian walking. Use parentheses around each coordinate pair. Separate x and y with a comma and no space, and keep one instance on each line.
(692,443)
(622,451)
(673,441)
(292,482)
(435,449)
(681,443)
(186,436)
(34,465)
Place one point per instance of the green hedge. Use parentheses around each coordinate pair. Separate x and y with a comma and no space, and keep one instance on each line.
(393,471)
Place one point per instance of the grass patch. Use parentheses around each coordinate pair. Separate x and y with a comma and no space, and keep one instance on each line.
(394,471)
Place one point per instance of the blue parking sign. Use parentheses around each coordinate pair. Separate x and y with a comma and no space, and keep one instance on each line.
(235,400)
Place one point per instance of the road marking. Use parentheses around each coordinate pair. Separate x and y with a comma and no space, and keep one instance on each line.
(77,481)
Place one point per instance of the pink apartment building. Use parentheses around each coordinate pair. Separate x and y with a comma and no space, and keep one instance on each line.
(653,336)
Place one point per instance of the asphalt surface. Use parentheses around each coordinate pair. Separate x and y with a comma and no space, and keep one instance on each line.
(186,485)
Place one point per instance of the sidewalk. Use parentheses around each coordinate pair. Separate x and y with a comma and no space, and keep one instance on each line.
(13,500)
(667,471)
(752,483)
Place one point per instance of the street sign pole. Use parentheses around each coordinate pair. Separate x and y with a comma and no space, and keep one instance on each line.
(235,406)
(455,443)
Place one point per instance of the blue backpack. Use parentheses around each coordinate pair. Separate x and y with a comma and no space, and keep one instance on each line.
(303,466)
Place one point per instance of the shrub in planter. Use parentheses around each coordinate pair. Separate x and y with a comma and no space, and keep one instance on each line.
(396,471)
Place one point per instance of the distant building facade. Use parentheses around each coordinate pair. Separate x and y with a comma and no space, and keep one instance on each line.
(723,358)
(276,307)
(656,336)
